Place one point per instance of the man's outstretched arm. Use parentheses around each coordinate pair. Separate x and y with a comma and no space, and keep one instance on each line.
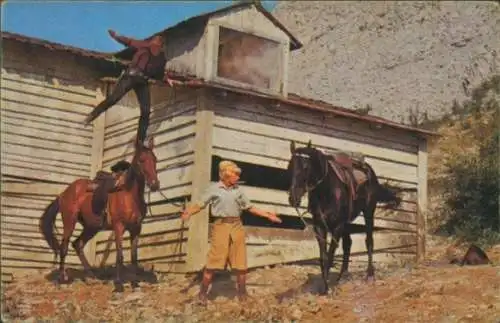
(127,41)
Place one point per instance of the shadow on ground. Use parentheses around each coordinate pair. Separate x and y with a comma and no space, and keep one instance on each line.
(106,274)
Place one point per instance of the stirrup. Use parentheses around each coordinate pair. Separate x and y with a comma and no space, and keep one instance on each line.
(104,217)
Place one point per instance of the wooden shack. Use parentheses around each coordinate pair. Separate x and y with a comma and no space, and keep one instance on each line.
(234,106)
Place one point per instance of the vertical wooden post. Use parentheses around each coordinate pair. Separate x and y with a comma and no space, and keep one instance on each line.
(422,199)
(96,161)
(211,51)
(197,239)
(284,69)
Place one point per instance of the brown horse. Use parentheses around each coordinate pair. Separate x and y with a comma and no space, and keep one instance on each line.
(126,209)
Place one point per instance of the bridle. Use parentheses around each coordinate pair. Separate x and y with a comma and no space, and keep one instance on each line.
(310,189)
(325,173)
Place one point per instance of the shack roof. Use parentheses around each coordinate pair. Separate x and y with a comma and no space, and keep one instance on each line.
(56,46)
(203,18)
(293,99)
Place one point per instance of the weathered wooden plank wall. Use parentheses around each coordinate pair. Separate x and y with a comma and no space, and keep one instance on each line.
(251,132)
(172,125)
(44,146)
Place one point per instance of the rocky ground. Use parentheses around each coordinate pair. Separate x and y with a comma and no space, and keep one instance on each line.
(396,56)
(430,292)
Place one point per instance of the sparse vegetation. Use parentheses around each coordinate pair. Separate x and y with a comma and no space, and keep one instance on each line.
(464,168)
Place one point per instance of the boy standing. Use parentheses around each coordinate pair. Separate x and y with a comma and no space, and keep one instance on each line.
(228,235)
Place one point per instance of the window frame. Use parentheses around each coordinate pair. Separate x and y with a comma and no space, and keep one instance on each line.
(276,84)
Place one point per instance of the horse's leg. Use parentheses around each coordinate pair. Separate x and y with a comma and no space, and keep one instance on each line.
(346,247)
(334,242)
(119,229)
(134,244)
(370,272)
(69,223)
(79,244)
(320,231)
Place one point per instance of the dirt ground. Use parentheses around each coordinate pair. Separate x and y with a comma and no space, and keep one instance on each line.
(429,292)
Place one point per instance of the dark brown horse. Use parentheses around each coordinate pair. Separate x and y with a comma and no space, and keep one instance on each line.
(126,209)
(336,198)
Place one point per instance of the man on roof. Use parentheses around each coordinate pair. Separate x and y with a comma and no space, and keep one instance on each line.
(147,63)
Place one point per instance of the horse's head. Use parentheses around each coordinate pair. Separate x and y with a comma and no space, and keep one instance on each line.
(306,168)
(145,159)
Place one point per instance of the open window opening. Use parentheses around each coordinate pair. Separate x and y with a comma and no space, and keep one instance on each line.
(256,175)
(263,177)
(248,59)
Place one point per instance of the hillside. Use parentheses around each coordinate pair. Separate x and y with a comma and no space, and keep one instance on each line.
(395,56)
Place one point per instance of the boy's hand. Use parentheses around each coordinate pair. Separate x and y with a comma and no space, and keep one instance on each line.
(273,217)
(185,215)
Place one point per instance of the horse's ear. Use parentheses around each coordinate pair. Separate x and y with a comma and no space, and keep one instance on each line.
(309,144)
(151,143)
(292,146)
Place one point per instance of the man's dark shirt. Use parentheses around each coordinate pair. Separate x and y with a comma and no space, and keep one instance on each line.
(148,58)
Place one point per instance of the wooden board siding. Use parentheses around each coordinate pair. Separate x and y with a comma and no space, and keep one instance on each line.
(253,133)
(184,50)
(42,134)
(45,146)
(172,125)
(42,112)
(23,248)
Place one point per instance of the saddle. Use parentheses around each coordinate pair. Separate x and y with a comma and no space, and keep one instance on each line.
(348,170)
(102,184)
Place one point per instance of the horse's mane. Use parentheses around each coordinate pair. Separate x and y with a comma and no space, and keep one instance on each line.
(133,172)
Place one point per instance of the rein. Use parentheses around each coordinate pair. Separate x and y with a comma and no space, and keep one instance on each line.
(174,216)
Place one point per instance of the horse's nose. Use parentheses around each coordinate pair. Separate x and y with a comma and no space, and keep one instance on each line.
(155,185)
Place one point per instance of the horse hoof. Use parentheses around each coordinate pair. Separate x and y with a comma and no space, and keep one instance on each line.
(136,287)
(344,278)
(118,289)
(323,292)
(63,280)
(370,279)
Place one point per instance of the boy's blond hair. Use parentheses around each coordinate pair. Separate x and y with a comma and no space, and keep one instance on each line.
(227,165)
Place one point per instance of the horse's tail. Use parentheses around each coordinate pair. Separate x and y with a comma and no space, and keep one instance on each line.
(47,222)
(383,192)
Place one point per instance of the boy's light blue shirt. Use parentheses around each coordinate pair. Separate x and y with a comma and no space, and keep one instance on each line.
(226,201)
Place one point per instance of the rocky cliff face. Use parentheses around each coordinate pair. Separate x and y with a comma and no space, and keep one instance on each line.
(395,56)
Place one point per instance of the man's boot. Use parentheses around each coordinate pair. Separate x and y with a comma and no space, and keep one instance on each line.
(241,286)
(205,284)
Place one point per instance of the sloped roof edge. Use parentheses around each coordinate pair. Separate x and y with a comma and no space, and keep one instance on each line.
(294,42)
